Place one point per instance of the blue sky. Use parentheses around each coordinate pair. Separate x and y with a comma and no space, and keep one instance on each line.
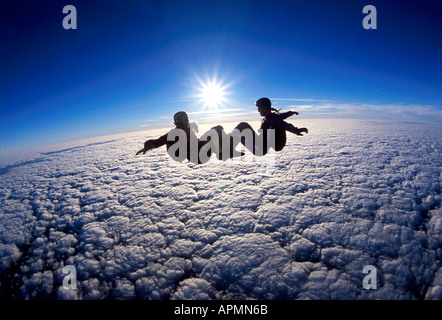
(114,73)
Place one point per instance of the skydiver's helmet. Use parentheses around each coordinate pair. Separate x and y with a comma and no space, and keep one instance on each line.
(181,120)
(264,104)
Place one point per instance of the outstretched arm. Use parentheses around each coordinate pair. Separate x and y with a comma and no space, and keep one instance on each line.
(153,143)
(291,128)
(285,115)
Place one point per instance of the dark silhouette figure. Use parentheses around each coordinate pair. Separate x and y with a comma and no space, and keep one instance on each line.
(181,121)
(273,119)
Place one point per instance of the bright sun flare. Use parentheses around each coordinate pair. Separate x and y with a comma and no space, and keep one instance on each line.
(212,95)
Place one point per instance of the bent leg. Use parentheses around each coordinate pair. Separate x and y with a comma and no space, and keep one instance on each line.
(245,134)
(219,143)
(244,125)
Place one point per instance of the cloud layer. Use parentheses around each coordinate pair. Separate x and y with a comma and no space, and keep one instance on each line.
(404,112)
(347,195)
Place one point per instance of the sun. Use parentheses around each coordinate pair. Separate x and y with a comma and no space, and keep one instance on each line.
(212,94)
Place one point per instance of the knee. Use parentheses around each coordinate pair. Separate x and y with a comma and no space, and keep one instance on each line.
(242,125)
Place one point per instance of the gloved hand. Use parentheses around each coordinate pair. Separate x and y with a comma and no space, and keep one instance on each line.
(301,130)
(147,146)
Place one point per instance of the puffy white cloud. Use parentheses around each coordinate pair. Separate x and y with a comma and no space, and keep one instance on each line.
(347,195)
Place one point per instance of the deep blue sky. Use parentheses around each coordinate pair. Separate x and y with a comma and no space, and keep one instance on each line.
(114,73)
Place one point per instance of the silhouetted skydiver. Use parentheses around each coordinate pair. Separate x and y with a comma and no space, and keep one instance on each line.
(273,119)
(181,121)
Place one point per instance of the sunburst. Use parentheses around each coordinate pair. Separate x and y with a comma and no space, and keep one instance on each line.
(212,94)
